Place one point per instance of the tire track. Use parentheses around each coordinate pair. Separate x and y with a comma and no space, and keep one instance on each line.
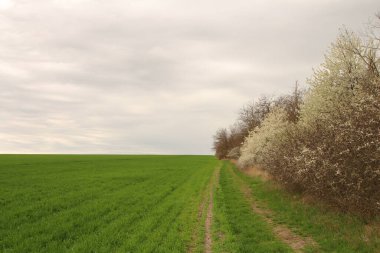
(206,209)
(296,242)
(209,217)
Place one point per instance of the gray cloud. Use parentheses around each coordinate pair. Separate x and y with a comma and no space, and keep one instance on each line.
(147,76)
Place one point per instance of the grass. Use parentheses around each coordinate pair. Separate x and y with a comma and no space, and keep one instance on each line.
(115,203)
(100,203)
(236,227)
(333,231)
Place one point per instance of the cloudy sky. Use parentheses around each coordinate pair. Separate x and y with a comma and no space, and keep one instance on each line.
(149,76)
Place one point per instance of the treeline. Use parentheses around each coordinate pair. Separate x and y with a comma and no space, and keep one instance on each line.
(324,141)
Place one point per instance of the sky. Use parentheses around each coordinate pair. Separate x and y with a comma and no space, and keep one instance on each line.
(149,76)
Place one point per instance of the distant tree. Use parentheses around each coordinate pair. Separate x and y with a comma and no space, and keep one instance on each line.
(221,143)
(236,135)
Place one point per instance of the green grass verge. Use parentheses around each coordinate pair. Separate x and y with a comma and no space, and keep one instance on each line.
(236,227)
(333,231)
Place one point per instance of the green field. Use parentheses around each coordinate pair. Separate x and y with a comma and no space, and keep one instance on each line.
(115,203)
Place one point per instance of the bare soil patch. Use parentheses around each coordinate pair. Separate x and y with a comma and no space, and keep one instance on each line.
(371,230)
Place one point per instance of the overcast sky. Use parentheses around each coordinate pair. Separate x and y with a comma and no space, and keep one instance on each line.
(149,76)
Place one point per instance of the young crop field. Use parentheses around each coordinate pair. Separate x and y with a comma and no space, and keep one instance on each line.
(116,203)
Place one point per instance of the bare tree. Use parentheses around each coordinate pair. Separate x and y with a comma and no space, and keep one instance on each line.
(251,115)
(291,103)
(221,143)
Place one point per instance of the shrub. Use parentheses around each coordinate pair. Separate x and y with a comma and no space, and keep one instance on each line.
(340,127)
(234,153)
(325,142)
(331,149)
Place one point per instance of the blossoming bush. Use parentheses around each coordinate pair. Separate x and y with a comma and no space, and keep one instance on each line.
(340,123)
(333,151)
(261,142)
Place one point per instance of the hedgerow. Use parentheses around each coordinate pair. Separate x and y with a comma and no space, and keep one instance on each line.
(327,143)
